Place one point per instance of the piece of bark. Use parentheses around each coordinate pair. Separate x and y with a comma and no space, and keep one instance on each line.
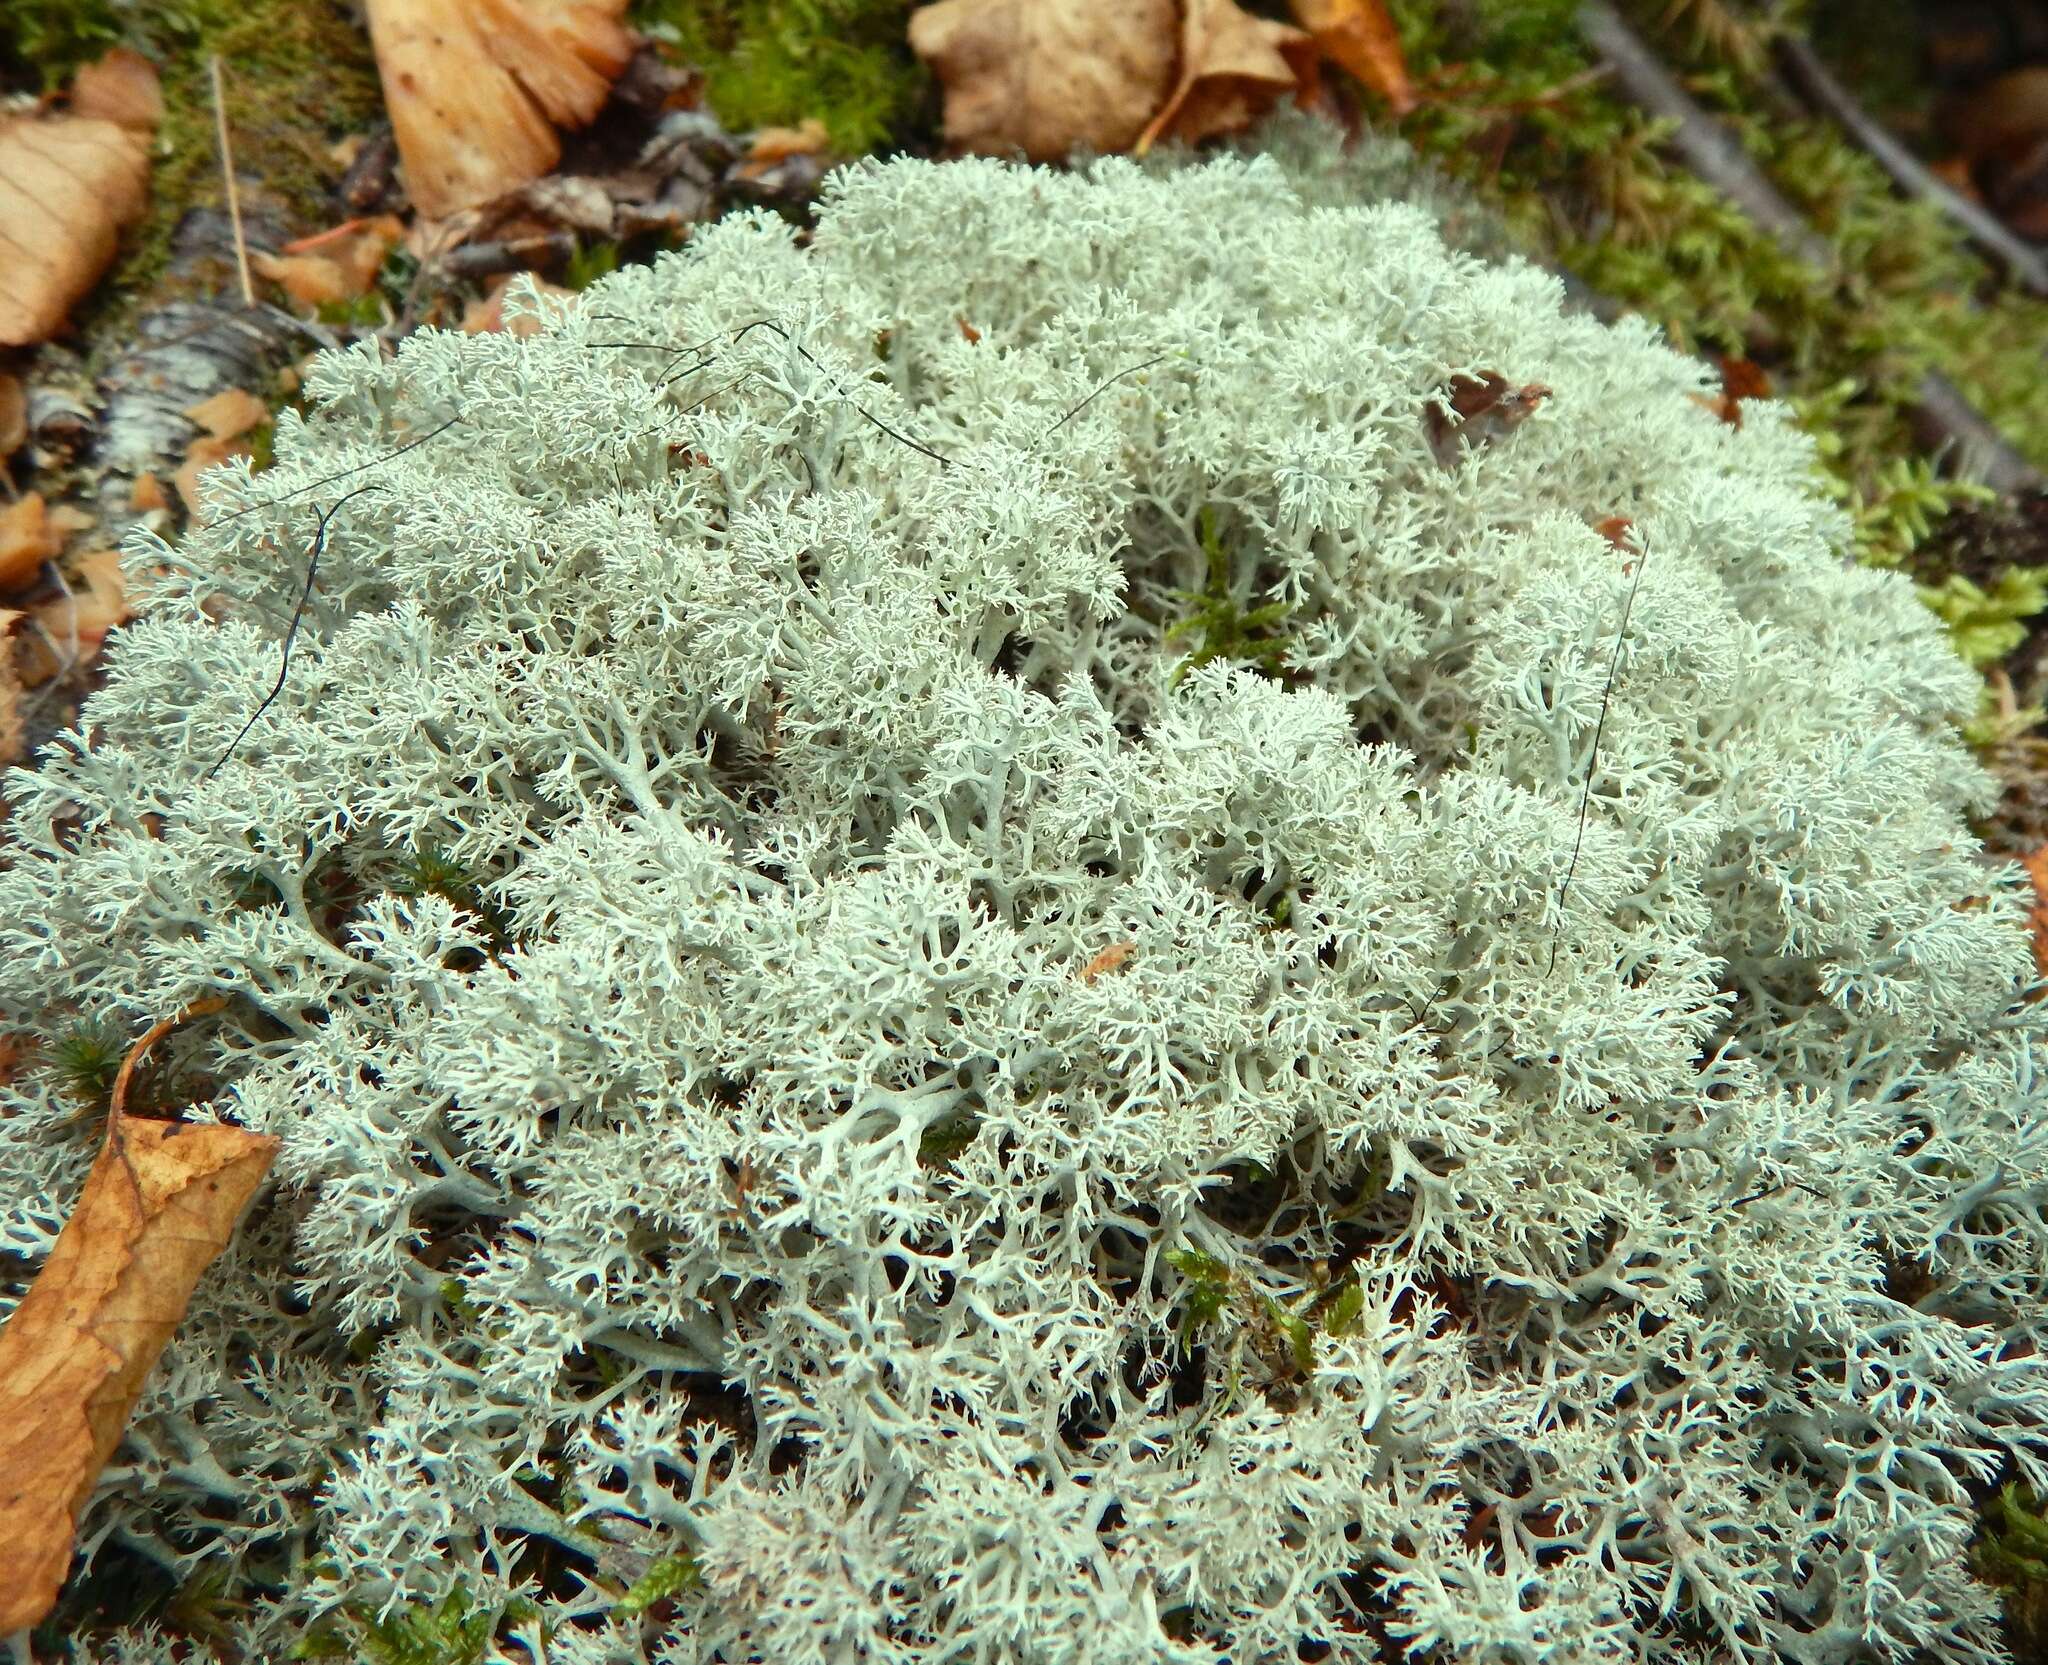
(1946,419)
(158,1206)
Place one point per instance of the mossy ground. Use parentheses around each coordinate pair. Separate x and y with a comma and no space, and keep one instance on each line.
(298,75)
(780,62)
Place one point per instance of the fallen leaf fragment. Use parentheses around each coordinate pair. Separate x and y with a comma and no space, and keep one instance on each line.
(1615,529)
(2037,916)
(68,188)
(1741,379)
(1483,409)
(27,540)
(148,493)
(1107,959)
(356,249)
(487,316)
(158,1206)
(13,732)
(1045,76)
(476,88)
(207,451)
(1358,36)
(230,413)
(13,415)
(1233,68)
(777,144)
(75,625)
(121,88)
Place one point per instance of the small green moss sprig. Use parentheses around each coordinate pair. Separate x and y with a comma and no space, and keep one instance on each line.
(780,62)
(1222,626)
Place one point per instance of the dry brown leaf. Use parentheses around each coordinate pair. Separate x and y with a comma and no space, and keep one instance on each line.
(1045,76)
(778,144)
(2036,865)
(229,413)
(27,540)
(158,1206)
(68,187)
(13,732)
(355,248)
(1233,68)
(1483,408)
(121,88)
(485,316)
(311,280)
(207,451)
(148,493)
(1359,36)
(476,88)
(13,415)
(77,623)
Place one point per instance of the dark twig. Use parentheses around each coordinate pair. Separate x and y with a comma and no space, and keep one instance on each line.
(1593,757)
(1944,415)
(284,664)
(1818,86)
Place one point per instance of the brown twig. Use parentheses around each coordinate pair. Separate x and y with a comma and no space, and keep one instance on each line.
(1818,86)
(1942,415)
(227,168)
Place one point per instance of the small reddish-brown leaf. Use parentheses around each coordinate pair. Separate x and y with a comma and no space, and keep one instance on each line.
(158,1206)
(1042,77)
(207,451)
(1108,959)
(1233,68)
(476,88)
(27,540)
(1483,409)
(2037,917)
(1359,36)
(1615,529)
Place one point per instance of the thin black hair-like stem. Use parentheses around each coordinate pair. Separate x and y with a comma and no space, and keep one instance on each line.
(342,474)
(1593,758)
(1160,358)
(284,665)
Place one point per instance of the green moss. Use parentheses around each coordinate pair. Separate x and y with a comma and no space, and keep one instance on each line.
(776,62)
(42,42)
(1222,626)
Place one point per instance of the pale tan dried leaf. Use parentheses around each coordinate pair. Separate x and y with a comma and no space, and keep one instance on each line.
(1233,68)
(68,187)
(475,88)
(121,88)
(1359,36)
(230,413)
(148,493)
(1042,77)
(27,540)
(158,1206)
